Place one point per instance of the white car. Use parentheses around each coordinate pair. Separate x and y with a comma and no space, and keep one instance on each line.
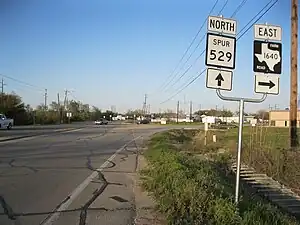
(6,123)
(101,122)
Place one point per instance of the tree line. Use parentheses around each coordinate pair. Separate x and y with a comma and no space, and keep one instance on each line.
(13,107)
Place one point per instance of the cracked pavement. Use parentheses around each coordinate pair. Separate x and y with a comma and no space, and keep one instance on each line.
(82,177)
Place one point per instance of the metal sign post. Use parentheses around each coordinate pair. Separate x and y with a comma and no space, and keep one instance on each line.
(240,133)
(221,54)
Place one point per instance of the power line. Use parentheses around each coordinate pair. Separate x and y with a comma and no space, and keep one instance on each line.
(23,82)
(165,84)
(239,8)
(188,84)
(195,78)
(270,7)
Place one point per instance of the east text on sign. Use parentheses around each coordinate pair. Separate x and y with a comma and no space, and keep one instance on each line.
(267,32)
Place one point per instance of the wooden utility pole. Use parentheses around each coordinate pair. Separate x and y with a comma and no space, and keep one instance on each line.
(59,108)
(2,93)
(191,110)
(177,112)
(294,74)
(46,96)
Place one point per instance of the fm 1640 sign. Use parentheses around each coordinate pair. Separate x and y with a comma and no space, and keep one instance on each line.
(220,51)
(267,57)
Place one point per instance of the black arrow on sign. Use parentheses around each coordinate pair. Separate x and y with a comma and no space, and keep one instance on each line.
(219,78)
(270,84)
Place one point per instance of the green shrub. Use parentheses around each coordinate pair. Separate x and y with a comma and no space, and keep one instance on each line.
(193,191)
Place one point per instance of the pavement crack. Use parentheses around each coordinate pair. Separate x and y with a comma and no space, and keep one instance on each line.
(11,163)
(7,209)
(96,194)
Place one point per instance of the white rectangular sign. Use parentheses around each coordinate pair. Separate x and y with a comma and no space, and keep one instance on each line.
(267,84)
(219,79)
(221,25)
(267,32)
(220,51)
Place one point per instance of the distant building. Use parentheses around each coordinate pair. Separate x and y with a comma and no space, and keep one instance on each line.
(281,118)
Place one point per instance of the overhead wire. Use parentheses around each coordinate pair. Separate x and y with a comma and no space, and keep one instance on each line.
(203,71)
(165,84)
(23,82)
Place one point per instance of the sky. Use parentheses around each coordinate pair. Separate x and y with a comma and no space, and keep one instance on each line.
(113,52)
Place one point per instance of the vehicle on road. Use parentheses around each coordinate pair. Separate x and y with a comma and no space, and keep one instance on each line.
(144,121)
(6,123)
(101,122)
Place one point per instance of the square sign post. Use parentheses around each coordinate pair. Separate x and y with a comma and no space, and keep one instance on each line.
(220,56)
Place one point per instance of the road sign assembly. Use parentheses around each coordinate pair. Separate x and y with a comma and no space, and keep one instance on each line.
(267,57)
(219,79)
(220,54)
(220,51)
(221,25)
(267,32)
(267,84)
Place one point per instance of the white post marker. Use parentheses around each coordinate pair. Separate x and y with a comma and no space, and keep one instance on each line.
(219,79)
(267,84)
(267,32)
(221,25)
(220,51)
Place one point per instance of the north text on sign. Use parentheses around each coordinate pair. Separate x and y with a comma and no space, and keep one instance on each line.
(222,25)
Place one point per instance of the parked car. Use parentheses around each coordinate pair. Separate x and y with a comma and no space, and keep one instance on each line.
(101,122)
(6,123)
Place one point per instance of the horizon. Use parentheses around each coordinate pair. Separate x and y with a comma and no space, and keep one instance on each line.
(113,53)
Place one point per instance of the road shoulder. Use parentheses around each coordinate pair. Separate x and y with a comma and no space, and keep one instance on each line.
(146,214)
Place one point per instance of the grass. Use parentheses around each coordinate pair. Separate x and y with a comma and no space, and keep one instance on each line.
(266,149)
(192,190)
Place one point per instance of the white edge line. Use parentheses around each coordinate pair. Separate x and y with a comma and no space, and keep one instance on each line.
(81,187)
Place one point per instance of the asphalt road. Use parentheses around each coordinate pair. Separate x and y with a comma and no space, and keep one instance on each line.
(72,177)
(18,131)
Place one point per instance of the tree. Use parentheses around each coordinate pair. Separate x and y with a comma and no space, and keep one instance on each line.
(13,107)
(262,114)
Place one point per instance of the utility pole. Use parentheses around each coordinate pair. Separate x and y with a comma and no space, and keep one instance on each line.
(46,96)
(65,104)
(294,74)
(191,110)
(2,86)
(2,92)
(177,111)
(145,105)
(59,108)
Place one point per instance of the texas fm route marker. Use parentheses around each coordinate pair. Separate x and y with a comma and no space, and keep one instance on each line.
(267,84)
(219,79)
(267,57)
